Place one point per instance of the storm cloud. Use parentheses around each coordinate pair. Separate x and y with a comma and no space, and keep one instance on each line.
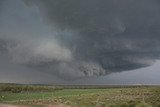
(75,39)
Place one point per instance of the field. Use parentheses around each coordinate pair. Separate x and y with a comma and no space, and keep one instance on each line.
(80,96)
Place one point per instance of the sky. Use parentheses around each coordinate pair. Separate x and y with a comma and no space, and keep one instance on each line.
(80,42)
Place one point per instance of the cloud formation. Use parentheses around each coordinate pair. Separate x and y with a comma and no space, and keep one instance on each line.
(38,52)
(74,39)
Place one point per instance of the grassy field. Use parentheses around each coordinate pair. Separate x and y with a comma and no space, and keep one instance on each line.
(75,96)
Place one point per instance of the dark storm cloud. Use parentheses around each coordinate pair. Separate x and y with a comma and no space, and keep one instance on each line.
(91,37)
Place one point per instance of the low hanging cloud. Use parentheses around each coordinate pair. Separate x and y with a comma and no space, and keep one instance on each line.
(50,56)
(81,38)
(38,52)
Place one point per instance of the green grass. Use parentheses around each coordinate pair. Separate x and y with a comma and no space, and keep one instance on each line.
(109,97)
(13,97)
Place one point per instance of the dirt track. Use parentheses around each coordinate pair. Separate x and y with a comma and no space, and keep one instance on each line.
(50,105)
(7,105)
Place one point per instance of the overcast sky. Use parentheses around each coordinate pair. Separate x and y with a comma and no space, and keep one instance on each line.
(88,41)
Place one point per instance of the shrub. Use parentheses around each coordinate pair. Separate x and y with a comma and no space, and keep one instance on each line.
(27,88)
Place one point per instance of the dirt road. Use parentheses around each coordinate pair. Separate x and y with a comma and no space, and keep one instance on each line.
(49,105)
(7,105)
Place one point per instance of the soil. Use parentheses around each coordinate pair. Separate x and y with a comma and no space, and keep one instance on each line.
(47,105)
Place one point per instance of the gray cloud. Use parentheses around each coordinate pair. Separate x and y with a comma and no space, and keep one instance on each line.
(71,38)
(39,51)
